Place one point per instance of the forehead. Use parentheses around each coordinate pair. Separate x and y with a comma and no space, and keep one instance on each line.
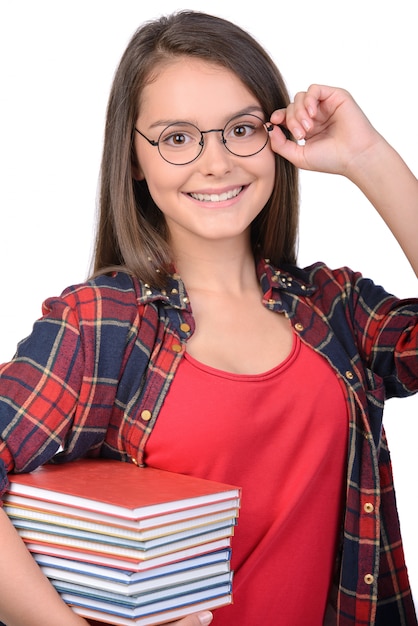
(194,90)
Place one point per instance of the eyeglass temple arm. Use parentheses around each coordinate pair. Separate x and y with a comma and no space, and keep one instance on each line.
(151,141)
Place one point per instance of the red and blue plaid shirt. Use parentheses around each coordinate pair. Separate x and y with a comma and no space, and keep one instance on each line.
(93,375)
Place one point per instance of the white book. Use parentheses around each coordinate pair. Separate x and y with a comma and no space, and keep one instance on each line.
(123,563)
(148,584)
(158,618)
(127,578)
(145,597)
(119,552)
(18,507)
(149,609)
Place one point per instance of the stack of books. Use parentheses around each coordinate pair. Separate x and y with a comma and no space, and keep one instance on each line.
(127,545)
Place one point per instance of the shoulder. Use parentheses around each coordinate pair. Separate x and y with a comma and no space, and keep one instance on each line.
(103,296)
(103,307)
(345,292)
(116,286)
(343,282)
(319,274)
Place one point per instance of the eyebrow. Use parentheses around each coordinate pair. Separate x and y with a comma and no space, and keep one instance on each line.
(167,122)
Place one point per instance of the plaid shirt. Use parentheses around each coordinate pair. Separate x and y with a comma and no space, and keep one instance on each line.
(94,373)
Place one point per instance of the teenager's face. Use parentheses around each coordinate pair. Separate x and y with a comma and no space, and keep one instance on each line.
(218,195)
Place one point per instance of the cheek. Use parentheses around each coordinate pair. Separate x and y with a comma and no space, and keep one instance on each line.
(164,183)
(156,172)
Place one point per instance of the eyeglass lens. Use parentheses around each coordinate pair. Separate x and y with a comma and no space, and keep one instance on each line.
(243,135)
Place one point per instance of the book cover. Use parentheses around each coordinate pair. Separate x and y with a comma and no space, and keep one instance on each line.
(109,560)
(102,539)
(122,552)
(119,489)
(155,619)
(146,597)
(128,578)
(149,609)
(148,584)
(25,511)
(65,512)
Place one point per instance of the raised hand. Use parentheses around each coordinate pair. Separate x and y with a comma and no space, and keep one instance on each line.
(334,135)
(332,131)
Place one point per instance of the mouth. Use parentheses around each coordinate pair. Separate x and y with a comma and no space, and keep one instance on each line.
(216,197)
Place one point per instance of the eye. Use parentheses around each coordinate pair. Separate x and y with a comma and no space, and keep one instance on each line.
(177,139)
(241,131)
(244,128)
(183,136)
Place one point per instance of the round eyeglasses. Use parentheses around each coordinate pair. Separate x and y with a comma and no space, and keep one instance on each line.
(183,142)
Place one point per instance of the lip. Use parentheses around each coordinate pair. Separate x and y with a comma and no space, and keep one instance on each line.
(217,197)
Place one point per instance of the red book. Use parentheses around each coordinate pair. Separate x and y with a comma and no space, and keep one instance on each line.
(122,490)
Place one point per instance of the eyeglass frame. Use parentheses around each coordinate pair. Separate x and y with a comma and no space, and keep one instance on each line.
(156,144)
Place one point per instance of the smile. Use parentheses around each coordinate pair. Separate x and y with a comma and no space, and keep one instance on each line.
(215,197)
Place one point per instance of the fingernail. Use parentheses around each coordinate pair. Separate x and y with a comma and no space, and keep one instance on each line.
(297,133)
(205,618)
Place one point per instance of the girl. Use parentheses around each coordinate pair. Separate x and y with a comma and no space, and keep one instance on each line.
(200,347)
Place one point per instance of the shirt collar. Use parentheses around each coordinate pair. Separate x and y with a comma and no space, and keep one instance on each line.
(174,293)
(273,281)
(289,278)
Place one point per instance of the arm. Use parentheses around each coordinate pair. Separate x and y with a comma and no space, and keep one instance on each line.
(26,596)
(339,139)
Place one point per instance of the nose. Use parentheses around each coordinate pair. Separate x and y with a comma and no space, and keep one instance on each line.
(214,159)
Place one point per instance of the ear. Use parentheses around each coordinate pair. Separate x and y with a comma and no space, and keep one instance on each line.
(137,173)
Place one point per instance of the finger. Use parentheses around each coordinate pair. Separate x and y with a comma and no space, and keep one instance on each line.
(302,113)
(197,619)
(324,100)
(286,121)
(306,110)
(285,147)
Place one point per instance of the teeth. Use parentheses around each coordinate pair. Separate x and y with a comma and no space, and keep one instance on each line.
(214,197)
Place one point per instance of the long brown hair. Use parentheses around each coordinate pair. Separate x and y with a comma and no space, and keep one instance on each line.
(131,231)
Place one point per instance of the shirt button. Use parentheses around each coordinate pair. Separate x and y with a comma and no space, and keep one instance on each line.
(368,507)
(185,327)
(146,415)
(369,579)
(134,461)
(349,375)
(176,347)
(299,327)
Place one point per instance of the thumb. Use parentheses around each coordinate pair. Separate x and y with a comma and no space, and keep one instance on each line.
(283,145)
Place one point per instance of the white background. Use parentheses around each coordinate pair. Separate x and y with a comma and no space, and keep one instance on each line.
(57,60)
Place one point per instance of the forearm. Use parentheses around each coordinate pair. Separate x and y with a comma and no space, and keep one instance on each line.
(392,188)
(26,596)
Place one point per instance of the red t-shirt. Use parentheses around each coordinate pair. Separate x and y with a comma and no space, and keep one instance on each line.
(282,437)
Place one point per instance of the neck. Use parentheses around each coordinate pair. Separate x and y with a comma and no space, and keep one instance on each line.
(217,267)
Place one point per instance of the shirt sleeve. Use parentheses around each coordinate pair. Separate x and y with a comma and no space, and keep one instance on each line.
(387,335)
(39,390)
(72,376)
